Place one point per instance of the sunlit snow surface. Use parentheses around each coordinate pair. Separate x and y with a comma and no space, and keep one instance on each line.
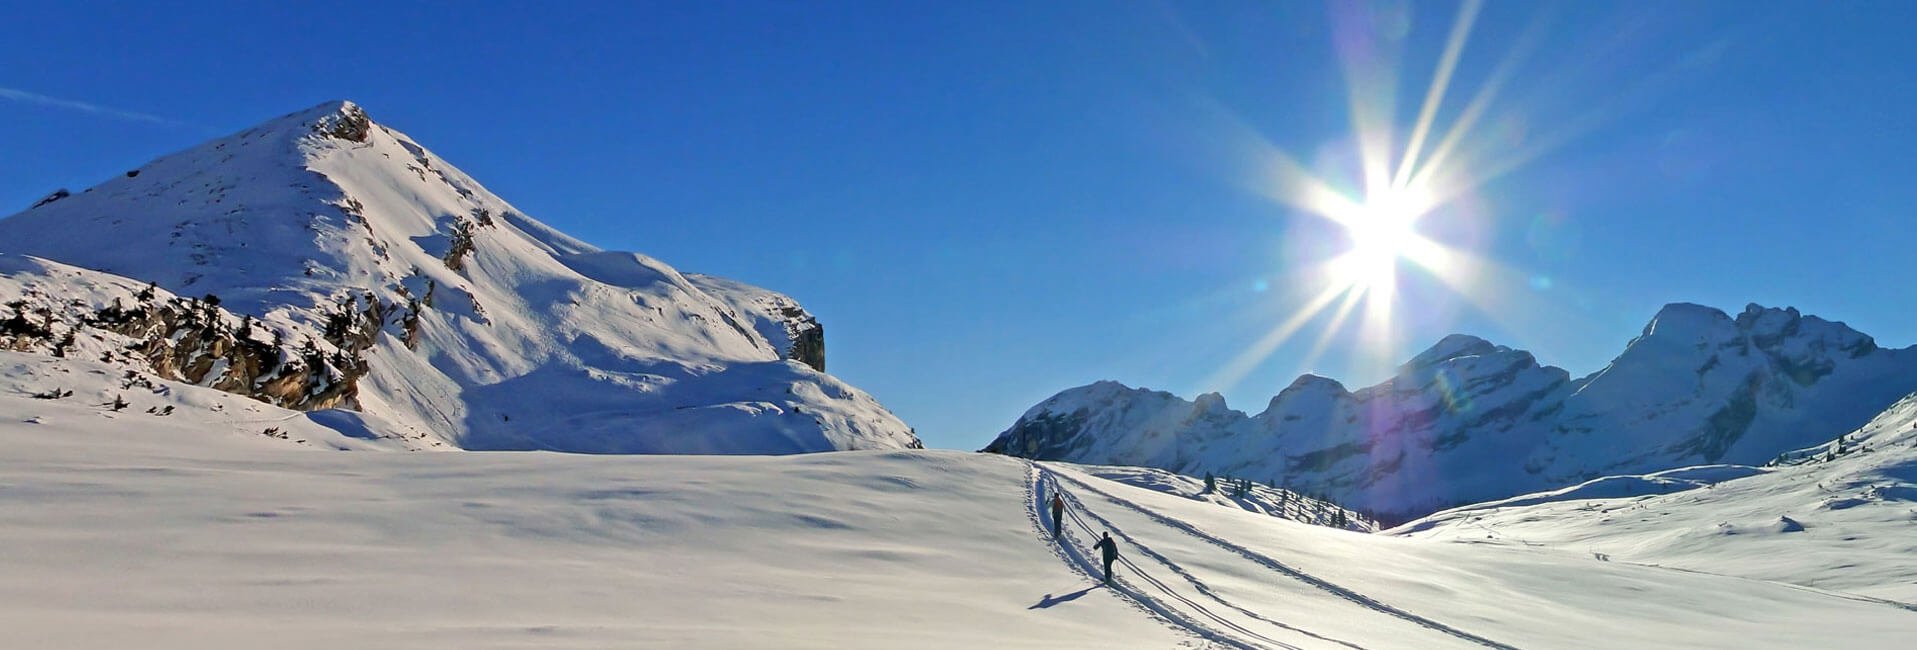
(1840,516)
(194,530)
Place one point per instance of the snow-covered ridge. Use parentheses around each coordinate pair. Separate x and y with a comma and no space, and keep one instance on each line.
(1835,516)
(1468,420)
(490,329)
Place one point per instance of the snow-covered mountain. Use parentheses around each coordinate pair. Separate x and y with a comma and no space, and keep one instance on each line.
(1468,421)
(377,277)
(1839,516)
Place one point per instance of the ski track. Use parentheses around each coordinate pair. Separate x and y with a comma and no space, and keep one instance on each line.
(1275,565)
(1203,588)
(1822,592)
(1141,574)
(1161,587)
(1081,563)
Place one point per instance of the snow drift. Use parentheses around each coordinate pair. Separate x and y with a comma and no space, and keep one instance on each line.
(1838,516)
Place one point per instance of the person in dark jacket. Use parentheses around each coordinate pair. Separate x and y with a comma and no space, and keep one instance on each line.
(1058,513)
(1111,555)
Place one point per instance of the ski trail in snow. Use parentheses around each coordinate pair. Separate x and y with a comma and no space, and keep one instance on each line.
(1824,592)
(1273,564)
(1078,506)
(1140,573)
(1081,562)
(1075,558)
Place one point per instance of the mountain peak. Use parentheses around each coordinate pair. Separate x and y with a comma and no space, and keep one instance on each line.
(1209,403)
(341,119)
(1452,347)
(483,318)
(1770,327)
(1681,318)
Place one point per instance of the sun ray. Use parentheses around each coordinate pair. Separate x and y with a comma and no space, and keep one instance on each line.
(1370,88)
(1269,171)
(1358,291)
(1377,331)
(1441,82)
(1288,182)
(1479,104)
(1243,364)
(1331,329)
(1567,130)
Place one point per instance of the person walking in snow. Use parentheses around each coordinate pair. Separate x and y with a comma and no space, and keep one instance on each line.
(1111,555)
(1058,512)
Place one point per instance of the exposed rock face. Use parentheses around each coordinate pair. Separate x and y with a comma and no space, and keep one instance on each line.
(51,197)
(1468,420)
(808,339)
(792,330)
(150,331)
(348,123)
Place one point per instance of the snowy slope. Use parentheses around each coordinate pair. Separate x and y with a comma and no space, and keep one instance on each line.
(1226,492)
(1839,516)
(126,529)
(481,325)
(1468,421)
(791,330)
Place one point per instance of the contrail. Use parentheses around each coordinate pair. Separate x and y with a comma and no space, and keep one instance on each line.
(96,109)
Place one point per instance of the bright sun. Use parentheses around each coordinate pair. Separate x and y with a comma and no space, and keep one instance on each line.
(1397,184)
(1381,232)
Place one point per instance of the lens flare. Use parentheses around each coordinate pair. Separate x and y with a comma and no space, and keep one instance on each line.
(1380,225)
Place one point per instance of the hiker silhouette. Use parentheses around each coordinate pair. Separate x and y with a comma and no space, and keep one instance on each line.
(1058,512)
(1111,555)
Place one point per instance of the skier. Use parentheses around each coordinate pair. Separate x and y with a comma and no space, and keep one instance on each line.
(1111,555)
(1058,512)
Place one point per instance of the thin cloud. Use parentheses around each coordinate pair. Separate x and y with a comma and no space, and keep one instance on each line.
(96,109)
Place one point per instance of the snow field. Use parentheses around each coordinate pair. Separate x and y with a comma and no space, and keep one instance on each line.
(194,530)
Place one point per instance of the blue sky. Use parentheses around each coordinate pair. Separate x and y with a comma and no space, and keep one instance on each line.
(989,202)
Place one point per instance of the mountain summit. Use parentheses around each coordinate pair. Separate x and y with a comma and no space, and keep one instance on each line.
(1468,420)
(420,299)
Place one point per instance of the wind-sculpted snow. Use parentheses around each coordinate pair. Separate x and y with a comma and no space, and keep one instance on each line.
(1468,421)
(219,524)
(494,331)
(1614,487)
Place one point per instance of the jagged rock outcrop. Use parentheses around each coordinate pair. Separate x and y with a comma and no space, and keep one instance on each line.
(792,330)
(1468,420)
(349,123)
(51,197)
(148,330)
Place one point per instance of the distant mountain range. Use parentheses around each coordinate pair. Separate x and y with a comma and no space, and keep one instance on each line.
(323,261)
(1468,421)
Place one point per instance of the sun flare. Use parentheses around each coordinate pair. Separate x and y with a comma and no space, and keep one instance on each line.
(1382,233)
(1378,210)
